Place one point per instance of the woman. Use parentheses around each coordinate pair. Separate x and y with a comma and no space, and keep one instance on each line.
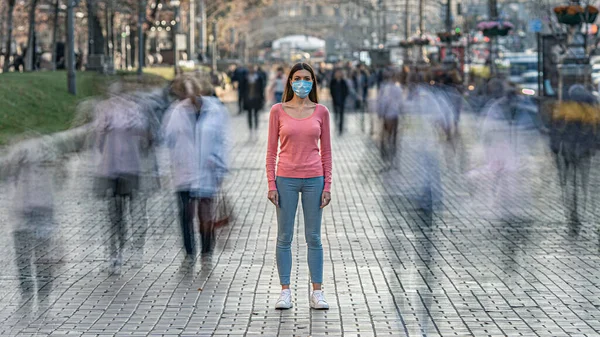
(300,124)
(195,132)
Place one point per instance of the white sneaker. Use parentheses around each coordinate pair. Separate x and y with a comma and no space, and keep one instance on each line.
(317,300)
(285,300)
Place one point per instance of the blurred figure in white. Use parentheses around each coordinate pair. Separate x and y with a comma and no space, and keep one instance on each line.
(425,135)
(195,131)
(507,141)
(389,106)
(122,133)
(36,177)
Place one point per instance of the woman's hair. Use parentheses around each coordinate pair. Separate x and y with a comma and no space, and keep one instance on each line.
(289,92)
(205,86)
(186,86)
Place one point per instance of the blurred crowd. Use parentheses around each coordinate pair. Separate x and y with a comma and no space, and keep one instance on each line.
(409,110)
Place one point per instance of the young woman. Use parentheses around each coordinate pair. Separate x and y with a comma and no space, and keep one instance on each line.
(301,126)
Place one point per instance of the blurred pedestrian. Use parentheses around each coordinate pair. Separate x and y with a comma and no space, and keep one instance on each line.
(573,141)
(195,131)
(263,75)
(389,106)
(278,85)
(239,78)
(38,174)
(360,79)
(19,62)
(427,120)
(152,105)
(299,145)
(122,131)
(507,148)
(338,88)
(254,99)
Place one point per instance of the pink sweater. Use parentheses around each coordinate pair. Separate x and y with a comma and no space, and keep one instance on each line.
(299,153)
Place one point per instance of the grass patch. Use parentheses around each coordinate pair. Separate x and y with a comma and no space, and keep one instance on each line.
(168,73)
(37,103)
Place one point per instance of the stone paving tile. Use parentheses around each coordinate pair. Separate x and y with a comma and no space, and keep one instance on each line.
(387,273)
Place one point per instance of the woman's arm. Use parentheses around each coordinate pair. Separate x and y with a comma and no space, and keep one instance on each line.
(326,150)
(272,146)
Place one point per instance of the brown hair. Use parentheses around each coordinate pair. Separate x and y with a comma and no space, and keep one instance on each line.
(187,86)
(289,93)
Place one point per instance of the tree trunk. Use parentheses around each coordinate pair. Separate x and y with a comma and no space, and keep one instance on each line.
(2,21)
(141,35)
(112,32)
(55,34)
(95,34)
(91,16)
(30,54)
(145,47)
(107,28)
(9,20)
(149,23)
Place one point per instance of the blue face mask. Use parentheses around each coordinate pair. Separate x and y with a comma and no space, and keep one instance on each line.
(302,88)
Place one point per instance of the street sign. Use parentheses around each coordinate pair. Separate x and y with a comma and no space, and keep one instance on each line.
(535,26)
(181,42)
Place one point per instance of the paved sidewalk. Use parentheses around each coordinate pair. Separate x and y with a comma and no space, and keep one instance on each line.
(387,272)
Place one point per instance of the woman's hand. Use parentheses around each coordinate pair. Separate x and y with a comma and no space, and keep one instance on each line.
(325,199)
(274,197)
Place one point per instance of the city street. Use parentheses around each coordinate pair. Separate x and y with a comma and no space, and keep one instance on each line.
(388,271)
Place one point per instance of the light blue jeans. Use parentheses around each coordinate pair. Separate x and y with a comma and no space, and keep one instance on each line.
(312,190)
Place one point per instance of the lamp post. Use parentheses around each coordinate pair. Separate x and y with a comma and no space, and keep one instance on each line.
(175,4)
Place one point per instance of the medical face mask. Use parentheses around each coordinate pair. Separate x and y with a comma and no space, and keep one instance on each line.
(302,88)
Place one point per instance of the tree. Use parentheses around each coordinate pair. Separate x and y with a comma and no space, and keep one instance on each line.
(95,34)
(30,53)
(2,21)
(9,20)
(55,33)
